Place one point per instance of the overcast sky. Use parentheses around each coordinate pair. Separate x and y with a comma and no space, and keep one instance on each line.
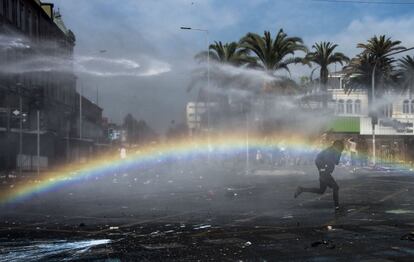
(147,32)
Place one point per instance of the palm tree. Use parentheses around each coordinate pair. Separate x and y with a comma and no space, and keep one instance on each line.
(374,51)
(324,56)
(406,72)
(273,53)
(229,53)
(380,46)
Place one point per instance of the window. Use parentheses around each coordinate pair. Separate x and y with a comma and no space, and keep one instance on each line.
(29,23)
(18,15)
(23,17)
(340,106)
(406,108)
(13,11)
(387,110)
(412,106)
(357,106)
(349,106)
(9,12)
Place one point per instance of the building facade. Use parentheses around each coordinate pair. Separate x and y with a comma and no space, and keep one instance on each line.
(36,75)
(394,130)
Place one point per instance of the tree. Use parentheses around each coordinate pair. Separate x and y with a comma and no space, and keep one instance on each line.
(323,56)
(221,54)
(374,52)
(272,54)
(405,73)
(229,53)
(138,131)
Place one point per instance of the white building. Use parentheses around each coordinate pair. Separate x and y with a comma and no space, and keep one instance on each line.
(197,116)
(396,112)
(394,131)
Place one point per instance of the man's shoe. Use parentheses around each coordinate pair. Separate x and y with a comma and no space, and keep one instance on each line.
(298,191)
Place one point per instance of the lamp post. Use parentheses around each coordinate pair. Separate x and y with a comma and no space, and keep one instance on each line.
(374,121)
(208,77)
(80,110)
(19,85)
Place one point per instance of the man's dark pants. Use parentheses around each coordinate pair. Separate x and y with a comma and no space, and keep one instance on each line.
(325,180)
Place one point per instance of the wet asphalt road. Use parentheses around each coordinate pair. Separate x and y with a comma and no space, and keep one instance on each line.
(216,212)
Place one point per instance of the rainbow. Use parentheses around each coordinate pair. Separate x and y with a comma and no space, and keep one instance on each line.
(150,155)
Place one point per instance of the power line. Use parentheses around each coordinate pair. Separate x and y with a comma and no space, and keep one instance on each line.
(365,2)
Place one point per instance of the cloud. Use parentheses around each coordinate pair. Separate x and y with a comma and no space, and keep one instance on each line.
(359,31)
(147,31)
(107,67)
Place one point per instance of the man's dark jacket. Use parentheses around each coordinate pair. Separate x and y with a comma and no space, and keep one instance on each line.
(327,159)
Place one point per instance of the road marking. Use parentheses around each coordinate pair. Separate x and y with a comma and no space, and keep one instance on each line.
(359,210)
(392,181)
(146,221)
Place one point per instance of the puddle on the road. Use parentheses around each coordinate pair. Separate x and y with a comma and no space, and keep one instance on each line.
(399,211)
(41,250)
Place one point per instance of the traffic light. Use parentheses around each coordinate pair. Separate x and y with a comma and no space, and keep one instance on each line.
(37,98)
(374,117)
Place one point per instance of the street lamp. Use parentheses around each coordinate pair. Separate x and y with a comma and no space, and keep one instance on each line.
(374,121)
(208,75)
(19,85)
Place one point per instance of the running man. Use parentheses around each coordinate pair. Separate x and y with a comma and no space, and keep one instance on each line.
(325,162)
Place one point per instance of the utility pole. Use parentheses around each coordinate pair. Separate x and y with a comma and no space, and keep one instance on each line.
(20,132)
(8,140)
(374,118)
(247,143)
(80,112)
(208,85)
(67,140)
(38,141)
(97,96)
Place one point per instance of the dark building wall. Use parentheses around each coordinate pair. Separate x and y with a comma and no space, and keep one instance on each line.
(53,92)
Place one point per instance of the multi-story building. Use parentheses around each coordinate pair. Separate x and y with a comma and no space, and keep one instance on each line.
(36,74)
(394,131)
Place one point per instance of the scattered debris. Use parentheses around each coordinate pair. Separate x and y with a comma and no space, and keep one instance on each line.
(247,244)
(399,211)
(327,243)
(409,236)
(113,228)
(202,227)
(224,241)
(162,246)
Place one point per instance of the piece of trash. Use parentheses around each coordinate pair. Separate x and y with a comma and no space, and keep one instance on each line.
(155,233)
(399,211)
(329,227)
(113,228)
(327,243)
(202,227)
(409,236)
(247,244)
